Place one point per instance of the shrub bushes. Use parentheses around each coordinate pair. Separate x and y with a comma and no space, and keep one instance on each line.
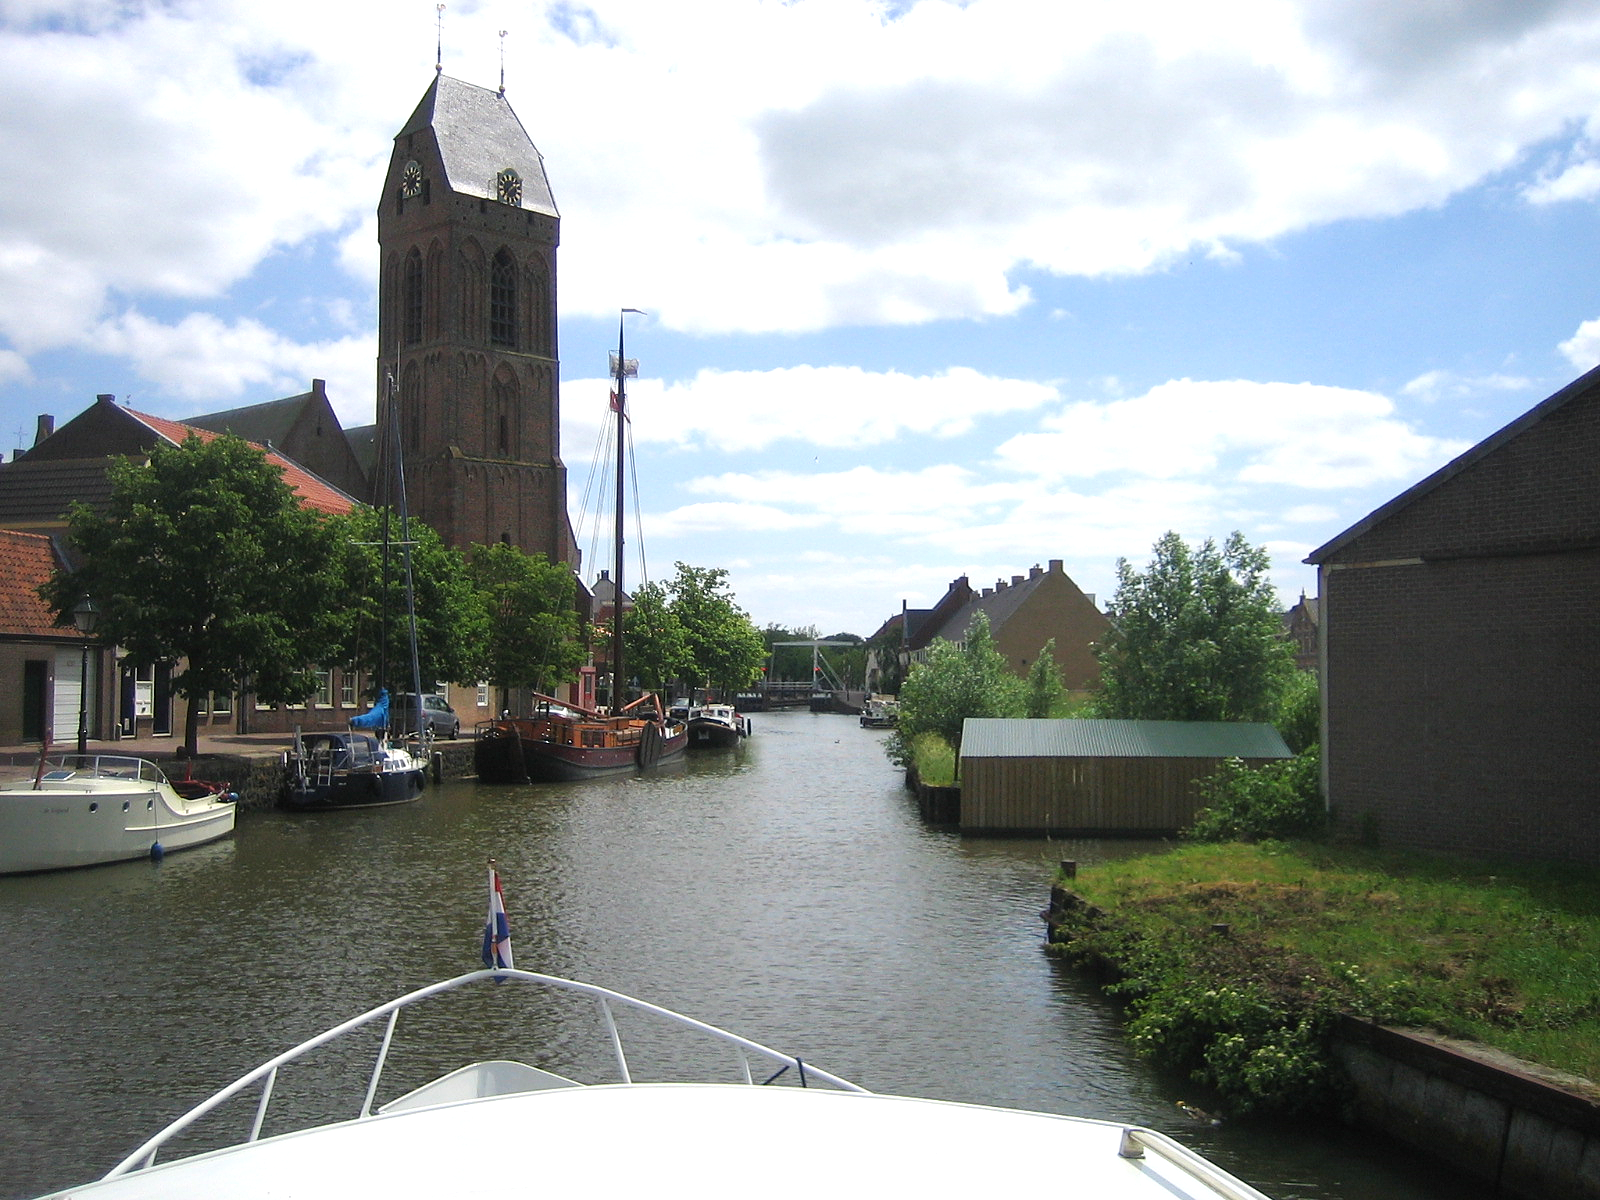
(1281,800)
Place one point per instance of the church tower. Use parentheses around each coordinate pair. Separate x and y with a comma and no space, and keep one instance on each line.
(468,377)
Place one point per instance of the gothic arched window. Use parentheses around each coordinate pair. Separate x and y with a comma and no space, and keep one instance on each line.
(503,301)
(411,300)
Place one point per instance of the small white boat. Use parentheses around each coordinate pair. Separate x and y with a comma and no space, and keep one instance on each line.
(716,725)
(77,810)
(778,1127)
(881,712)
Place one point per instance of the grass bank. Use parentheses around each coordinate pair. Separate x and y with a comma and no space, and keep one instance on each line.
(1235,958)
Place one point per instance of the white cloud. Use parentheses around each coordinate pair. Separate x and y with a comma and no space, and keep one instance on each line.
(837,406)
(203,359)
(1298,435)
(851,162)
(1578,181)
(1433,386)
(1582,349)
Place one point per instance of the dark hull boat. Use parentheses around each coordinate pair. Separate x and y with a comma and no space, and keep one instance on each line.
(349,770)
(560,744)
(716,727)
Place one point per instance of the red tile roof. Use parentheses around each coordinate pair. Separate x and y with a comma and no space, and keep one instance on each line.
(314,492)
(26,561)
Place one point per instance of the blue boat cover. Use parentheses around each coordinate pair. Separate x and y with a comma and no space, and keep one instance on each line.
(377,717)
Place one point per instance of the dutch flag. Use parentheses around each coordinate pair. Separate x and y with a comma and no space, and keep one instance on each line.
(497,930)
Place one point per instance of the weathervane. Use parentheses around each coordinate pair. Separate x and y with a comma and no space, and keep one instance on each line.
(438,45)
(502,62)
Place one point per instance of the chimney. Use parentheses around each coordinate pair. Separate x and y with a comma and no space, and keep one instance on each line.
(46,426)
(1034,572)
(1055,567)
(1015,580)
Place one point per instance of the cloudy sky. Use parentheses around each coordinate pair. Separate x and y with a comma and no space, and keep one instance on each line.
(933,287)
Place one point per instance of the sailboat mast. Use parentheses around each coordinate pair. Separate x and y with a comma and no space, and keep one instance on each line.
(621,369)
(616,610)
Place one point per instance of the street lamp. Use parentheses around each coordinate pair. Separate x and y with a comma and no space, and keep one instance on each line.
(85,616)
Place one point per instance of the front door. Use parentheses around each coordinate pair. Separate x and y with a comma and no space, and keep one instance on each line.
(35,686)
(161,714)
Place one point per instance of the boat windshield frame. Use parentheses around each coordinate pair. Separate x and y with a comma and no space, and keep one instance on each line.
(121,767)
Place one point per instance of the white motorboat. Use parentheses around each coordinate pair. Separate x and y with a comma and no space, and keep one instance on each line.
(77,810)
(880,712)
(716,725)
(778,1127)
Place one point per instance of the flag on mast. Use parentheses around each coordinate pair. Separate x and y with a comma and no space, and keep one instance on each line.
(497,930)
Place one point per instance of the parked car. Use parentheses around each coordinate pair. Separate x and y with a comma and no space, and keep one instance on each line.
(436,714)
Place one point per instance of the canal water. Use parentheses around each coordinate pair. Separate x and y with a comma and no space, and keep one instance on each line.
(786,890)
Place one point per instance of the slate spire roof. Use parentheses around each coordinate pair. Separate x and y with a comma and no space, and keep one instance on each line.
(478,136)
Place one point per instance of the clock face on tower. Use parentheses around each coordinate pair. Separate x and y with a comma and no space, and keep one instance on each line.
(411,180)
(508,187)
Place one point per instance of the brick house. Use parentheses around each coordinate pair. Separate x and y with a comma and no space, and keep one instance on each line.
(305,429)
(44,661)
(72,463)
(1024,613)
(1300,627)
(1460,649)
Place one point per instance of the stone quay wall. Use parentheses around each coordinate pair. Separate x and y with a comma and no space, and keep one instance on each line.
(258,776)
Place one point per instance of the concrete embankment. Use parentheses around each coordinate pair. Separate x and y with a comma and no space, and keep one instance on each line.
(1532,1133)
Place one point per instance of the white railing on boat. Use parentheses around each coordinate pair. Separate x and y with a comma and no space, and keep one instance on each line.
(101,766)
(266,1075)
(1136,1141)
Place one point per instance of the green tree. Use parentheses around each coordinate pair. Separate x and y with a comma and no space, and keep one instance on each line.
(1299,717)
(725,649)
(654,641)
(952,684)
(847,662)
(789,662)
(1044,687)
(530,612)
(452,626)
(886,650)
(1197,636)
(205,556)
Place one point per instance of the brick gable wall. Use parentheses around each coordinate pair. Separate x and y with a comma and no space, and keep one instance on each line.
(1462,654)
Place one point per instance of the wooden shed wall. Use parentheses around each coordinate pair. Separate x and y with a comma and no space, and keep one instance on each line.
(1083,797)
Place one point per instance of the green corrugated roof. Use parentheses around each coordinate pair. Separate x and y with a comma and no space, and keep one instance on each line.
(995,737)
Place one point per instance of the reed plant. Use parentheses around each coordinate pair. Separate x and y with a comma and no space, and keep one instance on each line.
(1235,958)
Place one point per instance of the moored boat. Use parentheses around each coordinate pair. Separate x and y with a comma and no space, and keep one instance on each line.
(716,726)
(79,810)
(552,1122)
(563,743)
(880,712)
(349,770)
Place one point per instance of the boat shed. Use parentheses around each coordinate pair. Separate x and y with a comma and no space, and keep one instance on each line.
(1093,778)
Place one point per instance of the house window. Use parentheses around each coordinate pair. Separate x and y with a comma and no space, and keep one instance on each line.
(503,301)
(325,689)
(222,703)
(483,693)
(347,689)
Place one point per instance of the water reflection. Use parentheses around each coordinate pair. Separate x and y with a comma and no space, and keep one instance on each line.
(786,890)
